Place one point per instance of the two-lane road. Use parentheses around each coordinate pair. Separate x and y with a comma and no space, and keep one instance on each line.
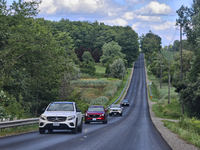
(132,131)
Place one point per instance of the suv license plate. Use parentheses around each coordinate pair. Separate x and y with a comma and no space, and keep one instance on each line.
(94,119)
(56,124)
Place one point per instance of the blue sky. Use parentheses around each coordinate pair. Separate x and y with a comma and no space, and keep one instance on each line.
(159,16)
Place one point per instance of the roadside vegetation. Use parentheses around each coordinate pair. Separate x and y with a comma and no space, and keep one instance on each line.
(18,130)
(184,94)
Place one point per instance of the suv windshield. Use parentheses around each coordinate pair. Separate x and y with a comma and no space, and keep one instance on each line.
(115,106)
(60,107)
(95,109)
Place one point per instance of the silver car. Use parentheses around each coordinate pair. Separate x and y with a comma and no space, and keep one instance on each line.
(116,109)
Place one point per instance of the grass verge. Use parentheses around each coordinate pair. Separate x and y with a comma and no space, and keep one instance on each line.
(189,135)
(18,130)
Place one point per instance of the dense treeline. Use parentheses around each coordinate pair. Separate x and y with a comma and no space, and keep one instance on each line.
(91,36)
(39,58)
(187,82)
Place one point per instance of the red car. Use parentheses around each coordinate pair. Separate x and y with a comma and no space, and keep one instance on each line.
(96,114)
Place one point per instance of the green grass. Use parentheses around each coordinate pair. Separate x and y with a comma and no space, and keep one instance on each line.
(170,111)
(189,135)
(18,130)
(160,95)
(100,68)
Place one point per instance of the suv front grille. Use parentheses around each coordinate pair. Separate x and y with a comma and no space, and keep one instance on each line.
(94,116)
(56,119)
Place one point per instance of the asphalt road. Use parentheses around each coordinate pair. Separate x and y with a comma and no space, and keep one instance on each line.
(132,131)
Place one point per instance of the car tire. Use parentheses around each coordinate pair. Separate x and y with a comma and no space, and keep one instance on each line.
(80,127)
(41,131)
(50,130)
(105,122)
(120,114)
(87,122)
(74,131)
(110,114)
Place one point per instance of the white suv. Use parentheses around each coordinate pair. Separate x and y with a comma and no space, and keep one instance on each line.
(115,109)
(61,115)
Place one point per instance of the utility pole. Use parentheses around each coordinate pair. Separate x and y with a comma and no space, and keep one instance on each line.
(181,64)
(169,79)
(157,65)
(161,71)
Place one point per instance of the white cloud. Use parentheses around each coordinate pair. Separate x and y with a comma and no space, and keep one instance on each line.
(164,26)
(149,18)
(131,16)
(155,8)
(105,7)
(128,15)
(111,14)
(134,26)
(116,22)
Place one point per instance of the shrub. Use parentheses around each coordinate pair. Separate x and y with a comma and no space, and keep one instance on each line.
(102,100)
(118,69)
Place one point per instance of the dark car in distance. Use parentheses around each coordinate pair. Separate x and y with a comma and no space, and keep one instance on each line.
(96,113)
(125,102)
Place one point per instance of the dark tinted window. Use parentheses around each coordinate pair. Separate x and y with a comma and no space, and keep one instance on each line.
(61,107)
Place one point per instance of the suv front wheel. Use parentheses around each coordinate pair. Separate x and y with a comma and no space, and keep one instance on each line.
(42,131)
(81,126)
(74,131)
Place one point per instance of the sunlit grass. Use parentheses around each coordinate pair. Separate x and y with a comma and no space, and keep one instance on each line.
(18,130)
(190,135)
(100,68)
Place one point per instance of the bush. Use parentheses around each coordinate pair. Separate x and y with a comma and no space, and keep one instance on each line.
(102,100)
(118,69)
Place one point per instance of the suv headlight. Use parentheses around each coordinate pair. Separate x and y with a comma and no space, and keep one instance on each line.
(43,117)
(71,117)
(102,115)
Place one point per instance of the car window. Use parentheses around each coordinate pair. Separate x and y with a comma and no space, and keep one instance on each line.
(60,107)
(115,106)
(95,109)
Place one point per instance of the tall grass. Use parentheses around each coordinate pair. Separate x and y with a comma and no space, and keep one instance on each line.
(100,68)
(186,128)
(160,95)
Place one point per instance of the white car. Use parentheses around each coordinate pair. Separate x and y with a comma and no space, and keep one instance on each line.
(116,109)
(61,116)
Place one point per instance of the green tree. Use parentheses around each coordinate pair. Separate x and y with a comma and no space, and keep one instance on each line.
(88,65)
(150,43)
(87,57)
(118,69)
(111,50)
(128,40)
(191,95)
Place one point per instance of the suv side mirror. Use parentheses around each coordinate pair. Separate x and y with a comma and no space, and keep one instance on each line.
(78,110)
(43,110)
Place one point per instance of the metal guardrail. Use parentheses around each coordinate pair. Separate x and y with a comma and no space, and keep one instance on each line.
(20,122)
(119,95)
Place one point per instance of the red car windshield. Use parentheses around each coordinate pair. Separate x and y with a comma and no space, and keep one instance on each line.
(95,109)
